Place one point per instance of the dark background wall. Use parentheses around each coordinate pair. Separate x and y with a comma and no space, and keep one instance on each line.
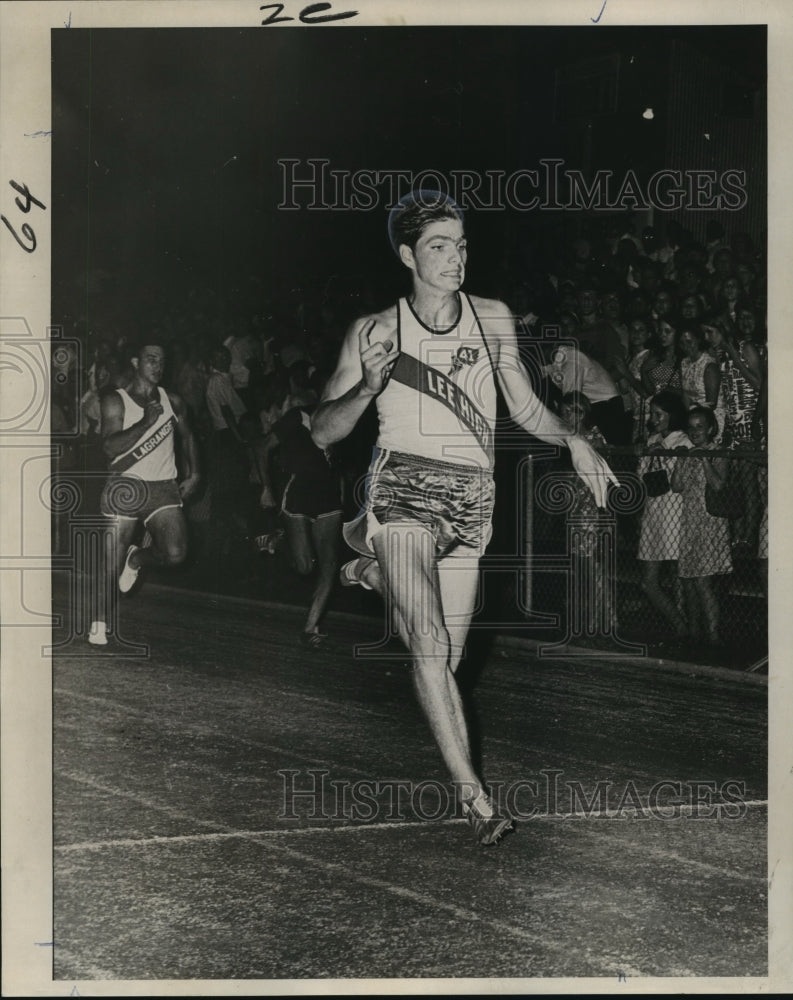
(166,144)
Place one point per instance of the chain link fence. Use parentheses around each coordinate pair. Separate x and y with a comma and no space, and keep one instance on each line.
(672,566)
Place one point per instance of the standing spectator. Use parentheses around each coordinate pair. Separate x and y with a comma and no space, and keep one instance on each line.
(661,523)
(611,308)
(704,539)
(571,370)
(598,337)
(715,240)
(699,373)
(729,297)
(664,303)
(661,367)
(722,269)
(741,379)
(634,392)
(588,522)
(691,308)
(244,352)
(190,380)
(228,458)
(752,329)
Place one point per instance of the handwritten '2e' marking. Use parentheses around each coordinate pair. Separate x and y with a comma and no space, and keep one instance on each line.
(308,15)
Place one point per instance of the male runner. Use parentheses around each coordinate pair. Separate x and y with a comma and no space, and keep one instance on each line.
(138,428)
(431,362)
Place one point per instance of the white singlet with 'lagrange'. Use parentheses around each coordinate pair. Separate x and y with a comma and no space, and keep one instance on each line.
(152,456)
(440,401)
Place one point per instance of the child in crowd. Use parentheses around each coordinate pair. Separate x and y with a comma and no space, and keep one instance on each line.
(589,526)
(704,538)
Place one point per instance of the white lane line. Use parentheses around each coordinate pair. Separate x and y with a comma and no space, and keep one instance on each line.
(205,838)
(347,828)
(263,838)
(287,693)
(466,915)
(153,805)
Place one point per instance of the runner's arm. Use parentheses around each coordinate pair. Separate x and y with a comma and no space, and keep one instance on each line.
(528,411)
(359,376)
(189,447)
(116,440)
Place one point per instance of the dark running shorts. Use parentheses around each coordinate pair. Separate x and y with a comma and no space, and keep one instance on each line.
(138,499)
(454,501)
(312,499)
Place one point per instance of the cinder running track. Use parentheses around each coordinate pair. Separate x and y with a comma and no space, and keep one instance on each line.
(174,858)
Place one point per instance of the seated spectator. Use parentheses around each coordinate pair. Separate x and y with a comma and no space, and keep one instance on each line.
(661,521)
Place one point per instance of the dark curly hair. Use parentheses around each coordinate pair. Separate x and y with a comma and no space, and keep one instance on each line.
(414,212)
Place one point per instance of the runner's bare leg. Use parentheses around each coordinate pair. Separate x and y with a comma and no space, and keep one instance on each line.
(406,555)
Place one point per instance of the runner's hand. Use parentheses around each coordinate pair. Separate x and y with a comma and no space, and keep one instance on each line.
(592,468)
(377,359)
(187,487)
(152,412)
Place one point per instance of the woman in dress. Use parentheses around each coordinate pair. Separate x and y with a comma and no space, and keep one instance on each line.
(699,372)
(659,536)
(704,539)
(741,378)
(661,367)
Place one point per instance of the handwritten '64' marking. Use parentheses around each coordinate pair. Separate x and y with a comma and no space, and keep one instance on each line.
(24,206)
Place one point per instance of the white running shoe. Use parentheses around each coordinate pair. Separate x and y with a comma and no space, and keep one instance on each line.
(98,634)
(349,578)
(129,574)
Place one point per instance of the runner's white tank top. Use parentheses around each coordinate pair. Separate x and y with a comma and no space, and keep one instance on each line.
(152,456)
(440,401)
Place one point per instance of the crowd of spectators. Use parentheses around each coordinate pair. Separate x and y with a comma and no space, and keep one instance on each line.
(666,340)
(631,336)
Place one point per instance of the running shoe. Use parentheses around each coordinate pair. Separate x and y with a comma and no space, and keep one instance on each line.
(98,634)
(313,639)
(129,574)
(349,578)
(487,829)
